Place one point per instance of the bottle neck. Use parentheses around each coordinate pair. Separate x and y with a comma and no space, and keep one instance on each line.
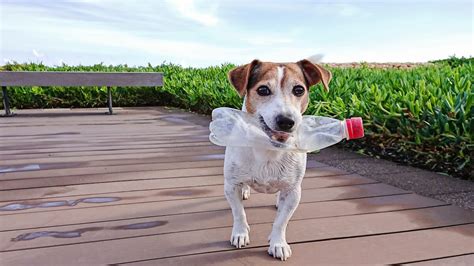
(345,130)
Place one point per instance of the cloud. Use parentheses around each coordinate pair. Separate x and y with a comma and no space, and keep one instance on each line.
(202,33)
(188,9)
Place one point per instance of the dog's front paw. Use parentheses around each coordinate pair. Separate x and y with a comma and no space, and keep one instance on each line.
(240,236)
(245,192)
(280,250)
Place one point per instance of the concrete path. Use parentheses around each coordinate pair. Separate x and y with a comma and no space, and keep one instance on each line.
(434,185)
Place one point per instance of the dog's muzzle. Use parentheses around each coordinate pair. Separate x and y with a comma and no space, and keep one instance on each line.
(279,136)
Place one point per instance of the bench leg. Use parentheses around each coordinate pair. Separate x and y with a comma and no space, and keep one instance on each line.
(6,102)
(109,100)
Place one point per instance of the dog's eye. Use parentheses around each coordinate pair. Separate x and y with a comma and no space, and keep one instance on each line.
(263,91)
(298,91)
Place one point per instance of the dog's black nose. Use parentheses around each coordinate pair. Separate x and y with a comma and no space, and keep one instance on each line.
(284,123)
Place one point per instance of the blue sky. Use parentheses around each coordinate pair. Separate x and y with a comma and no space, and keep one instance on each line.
(201,33)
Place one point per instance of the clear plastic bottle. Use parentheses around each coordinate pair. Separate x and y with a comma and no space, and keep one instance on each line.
(232,127)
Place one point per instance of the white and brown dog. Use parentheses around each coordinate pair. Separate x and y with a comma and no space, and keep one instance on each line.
(277,94)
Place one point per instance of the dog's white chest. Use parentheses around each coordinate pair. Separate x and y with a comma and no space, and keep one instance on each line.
(269,177)
(266,172)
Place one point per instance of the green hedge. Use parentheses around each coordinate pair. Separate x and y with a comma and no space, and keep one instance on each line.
(421,116)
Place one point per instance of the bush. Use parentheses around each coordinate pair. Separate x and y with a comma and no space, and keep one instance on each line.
(420,116)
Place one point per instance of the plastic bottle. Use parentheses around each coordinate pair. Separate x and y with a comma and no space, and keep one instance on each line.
(232,127)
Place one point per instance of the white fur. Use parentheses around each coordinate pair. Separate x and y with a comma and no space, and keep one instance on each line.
(266,171)
(280,72)
(278,103)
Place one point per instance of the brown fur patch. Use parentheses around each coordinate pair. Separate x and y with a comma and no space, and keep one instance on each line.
(249,77)
(267,73)
(315,73)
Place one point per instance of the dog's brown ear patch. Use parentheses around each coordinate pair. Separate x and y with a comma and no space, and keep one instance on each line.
(239,76)
(315,73)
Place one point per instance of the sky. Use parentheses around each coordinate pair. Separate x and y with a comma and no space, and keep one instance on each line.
(201,33)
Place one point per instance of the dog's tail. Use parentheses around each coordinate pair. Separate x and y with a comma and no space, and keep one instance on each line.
(316,58)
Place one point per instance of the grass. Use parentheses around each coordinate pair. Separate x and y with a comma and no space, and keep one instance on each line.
(420,116)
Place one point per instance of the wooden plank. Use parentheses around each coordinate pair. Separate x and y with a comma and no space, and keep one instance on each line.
(93,148)
(390,249)
(460,260)
(75,136)
(8,184)
(113,166)
(87,139)
(178,184)
(44,204)
(91,118)
(132,114)
(204,220)
(160,160)
(96,129)
(118,152)
(85,128)
(54,123)
(111,129)
(34,145)
(106,142)
(42,78)
(97,148)
(107,169)
(143,208)
(216,239)
(130,156)
(127,175)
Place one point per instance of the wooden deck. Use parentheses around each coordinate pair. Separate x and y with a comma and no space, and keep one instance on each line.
(144,187)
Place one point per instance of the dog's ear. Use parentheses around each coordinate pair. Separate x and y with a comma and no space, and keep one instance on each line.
(239,76)
(315,73)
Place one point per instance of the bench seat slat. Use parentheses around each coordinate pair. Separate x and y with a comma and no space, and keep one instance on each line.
(129,79)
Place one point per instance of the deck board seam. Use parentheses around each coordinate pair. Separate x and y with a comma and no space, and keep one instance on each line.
(434,259)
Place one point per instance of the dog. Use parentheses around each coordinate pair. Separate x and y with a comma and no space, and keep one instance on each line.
(277,94)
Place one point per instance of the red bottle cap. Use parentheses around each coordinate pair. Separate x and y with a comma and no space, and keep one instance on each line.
(355,128)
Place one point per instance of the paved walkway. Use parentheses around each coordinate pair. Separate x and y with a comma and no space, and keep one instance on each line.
(144,187)
(434,185)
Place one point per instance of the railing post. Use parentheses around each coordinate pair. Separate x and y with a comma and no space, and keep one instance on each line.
(109,100)
(6,101)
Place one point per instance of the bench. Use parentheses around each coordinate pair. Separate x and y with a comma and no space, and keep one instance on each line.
(69,79)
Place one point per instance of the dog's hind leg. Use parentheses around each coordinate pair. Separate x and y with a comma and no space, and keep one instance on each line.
(240,230)
(245,192)
(288,201)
